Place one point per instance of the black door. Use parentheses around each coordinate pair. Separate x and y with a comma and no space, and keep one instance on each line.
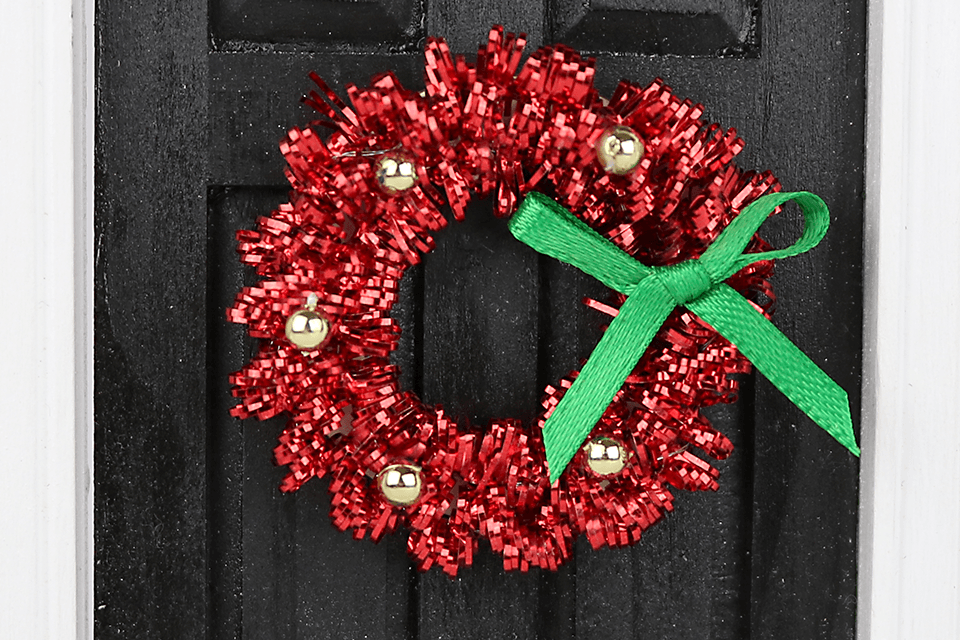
(193,539)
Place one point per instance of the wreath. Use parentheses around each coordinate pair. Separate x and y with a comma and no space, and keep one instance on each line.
(641,171)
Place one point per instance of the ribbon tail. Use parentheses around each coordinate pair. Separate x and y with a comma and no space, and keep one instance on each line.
(616,355)
(772,353)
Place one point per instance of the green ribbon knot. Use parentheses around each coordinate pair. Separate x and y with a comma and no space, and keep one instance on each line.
(685,281)
(653,292)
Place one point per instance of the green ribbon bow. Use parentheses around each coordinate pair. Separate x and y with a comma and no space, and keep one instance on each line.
(653,292)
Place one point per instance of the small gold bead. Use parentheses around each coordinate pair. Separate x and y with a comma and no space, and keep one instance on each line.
(307,329)
(619,150)
(605,456)
(395,173)
(400,484)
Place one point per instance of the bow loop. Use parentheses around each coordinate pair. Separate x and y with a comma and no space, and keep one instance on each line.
(724,257)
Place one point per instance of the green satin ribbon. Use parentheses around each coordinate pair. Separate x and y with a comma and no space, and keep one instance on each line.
(653,292)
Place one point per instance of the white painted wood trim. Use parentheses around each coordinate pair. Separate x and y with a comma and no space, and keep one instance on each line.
(910,505)
(84,58)
(46,186)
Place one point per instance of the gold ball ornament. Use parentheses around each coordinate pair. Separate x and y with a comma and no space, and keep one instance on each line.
(395,173)
(400,484)
(605,456)
(307,329)
(619,150)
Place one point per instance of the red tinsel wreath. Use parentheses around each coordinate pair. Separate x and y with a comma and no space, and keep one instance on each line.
(343,242)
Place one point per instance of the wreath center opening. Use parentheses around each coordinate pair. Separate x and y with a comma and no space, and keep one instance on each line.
(487,322)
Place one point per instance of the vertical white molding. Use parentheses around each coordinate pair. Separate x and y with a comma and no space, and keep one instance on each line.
(45,382)
(84,56)
(910,505)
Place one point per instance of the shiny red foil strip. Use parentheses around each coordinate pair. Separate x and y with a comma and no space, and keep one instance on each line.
(502,128)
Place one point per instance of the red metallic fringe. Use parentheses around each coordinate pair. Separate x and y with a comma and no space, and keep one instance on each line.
(502,128)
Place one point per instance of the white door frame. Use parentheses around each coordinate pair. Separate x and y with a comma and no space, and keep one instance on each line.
(910,511)
(46,322)
(910,474)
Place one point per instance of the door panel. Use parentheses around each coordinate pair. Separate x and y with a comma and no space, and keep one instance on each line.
(193,537)
(317,23)
(658,27)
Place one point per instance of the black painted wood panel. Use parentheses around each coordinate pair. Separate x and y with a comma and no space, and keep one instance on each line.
(151,541)
(235,24)
(465,23)
(659,27)
(192,537)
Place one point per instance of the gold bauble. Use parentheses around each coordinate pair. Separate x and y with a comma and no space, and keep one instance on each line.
(619,150)
(605,456)
(395,173)
(400,484)
(307,329)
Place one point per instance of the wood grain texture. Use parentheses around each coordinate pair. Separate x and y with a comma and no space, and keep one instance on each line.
(187,497)
(804,544)
(150,315)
